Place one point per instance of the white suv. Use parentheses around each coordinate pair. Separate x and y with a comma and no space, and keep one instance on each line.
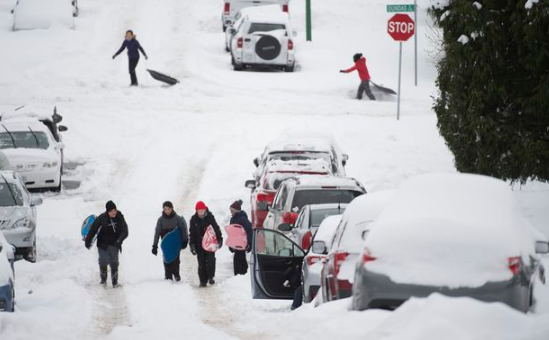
(232,7)
(263,40)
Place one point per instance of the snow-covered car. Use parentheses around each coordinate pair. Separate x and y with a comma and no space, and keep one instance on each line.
(33,152)
(7,276)
(263,40)
(294,194)
(43,14)
(51,121)
(347,244)
(231,8)
(18,215)
(308,221)
(241,15)
(276,172)
(454,234)
(312,263)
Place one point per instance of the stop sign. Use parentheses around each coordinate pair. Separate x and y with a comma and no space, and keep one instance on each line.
(401,27)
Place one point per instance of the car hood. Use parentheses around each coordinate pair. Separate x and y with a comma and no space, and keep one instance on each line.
(12,213)
(22,155)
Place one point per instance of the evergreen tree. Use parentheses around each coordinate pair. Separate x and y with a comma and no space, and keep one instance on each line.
(493,101)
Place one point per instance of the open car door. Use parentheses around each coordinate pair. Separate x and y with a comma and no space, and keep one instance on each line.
(276,265)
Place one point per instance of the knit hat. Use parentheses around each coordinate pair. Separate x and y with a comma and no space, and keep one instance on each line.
(237,205)
(110,206)
(357,57)
(200,206)
(167,204)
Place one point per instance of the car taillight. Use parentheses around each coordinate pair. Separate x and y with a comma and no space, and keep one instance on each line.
(514,264)
(227,9)
(264,197)
(314,259)
(367,257)
(290,45)
(338,258)
(306,240)
(285,8)
(289,217)
(239,43)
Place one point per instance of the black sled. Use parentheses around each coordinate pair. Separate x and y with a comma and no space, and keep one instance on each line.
(163,78)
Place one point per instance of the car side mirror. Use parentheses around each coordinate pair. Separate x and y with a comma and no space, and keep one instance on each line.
(62,128)
(60,146)
(344,160)
(542,247)
(263,206)
(285,227)
(250,184)
(256,161)
(319,247)
(35,201)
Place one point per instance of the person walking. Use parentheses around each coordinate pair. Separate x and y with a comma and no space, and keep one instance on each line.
(360,66)
(133,46)
(200,221)
(111,230)
(240,264)
(167,223)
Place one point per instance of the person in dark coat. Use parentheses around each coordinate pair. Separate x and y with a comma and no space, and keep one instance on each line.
(167,223)
(206,260)
(360,66)
(133,46)
(240,264)
(111,230)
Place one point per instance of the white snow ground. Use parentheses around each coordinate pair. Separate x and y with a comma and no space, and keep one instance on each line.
(141,146)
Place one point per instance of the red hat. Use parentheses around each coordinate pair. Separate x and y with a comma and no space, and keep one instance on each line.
(200,206)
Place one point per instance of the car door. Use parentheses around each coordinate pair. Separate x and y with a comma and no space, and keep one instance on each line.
(271,221)
(275,259)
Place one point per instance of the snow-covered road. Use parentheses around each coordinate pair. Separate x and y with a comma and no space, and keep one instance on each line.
(142,146)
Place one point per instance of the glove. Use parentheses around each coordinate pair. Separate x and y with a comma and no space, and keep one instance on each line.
(220,244)
(231,250)
(340,71)
(155,250)
(88,245)
(118,245)
(146,58)
(193,249)
(248,248)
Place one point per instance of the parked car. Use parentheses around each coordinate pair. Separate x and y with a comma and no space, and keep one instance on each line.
(265,41)
(33,152)
(454,234)
(348,242)
(231,8)
(308,221)
(313,261)
(42,14)
(294,194)
(277,171)
(18,214)
(243,14)
(7,276)
(51,121)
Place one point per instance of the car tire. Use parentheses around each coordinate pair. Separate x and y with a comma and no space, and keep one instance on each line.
(58,188)
(290,68)
(238,67)
(227,49)
(31,254)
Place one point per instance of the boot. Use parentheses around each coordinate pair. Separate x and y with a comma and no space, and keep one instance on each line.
(114,276)
(103,274)
(167,272)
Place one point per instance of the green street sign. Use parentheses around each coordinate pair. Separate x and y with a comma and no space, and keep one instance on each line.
(400,8)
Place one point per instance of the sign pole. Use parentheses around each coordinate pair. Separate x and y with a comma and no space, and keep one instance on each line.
(309,20)
(399,73)
(415,39)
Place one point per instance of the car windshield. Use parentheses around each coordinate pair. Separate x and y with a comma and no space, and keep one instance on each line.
(9,197)
(265,27)
(320,196)
(24,139)
(273,180)
(317,216)
(299,156)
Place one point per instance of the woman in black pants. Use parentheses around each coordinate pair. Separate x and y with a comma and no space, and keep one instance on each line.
(133,47)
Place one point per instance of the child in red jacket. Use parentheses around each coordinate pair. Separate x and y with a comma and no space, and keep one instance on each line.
(360,66)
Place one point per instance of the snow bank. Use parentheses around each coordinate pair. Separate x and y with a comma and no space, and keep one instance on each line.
(455,230)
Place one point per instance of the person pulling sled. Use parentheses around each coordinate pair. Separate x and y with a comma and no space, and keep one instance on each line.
(360,66)
(133,46)
(167,223)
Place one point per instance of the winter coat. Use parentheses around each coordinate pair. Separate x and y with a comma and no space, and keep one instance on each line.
(133,46)
(242,219)
(362,69)
(167,223)
(198,227)
(110,232)
(4,162)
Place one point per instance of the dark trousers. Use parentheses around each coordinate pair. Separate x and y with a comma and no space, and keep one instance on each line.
(365,87)
(108,257)
(206,266)
(132,65)
(240,264)
(298,297)
(171,269)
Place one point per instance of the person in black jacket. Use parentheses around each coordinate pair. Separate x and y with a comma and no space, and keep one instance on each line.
(206,260)
(111,230)
(240,264)
(167,223)
(133,46)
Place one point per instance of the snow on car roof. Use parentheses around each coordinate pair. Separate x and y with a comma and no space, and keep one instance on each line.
(22,124)
(326,181)
(301,143)
(28,111)
(327,229)
(258,10)
(455,230)
(311,165)
(324,206)
(266,14)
